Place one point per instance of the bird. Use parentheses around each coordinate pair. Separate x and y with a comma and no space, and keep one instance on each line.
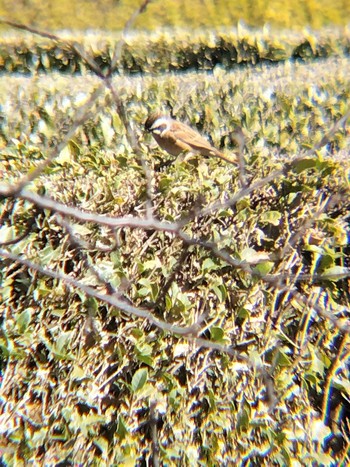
(176,137)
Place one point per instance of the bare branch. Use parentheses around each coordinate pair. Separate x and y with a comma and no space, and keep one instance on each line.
(110,299)
(189,332)
(24,27)
(161,226)
(128,25)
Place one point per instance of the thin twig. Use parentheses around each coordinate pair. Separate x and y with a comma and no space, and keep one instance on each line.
(188,332)
(174,228)
(128,25)
(110,299)
(154,433)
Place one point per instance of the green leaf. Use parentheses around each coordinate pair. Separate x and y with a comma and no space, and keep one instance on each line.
(165,183)
(183,303)
(209,265)
(146,359)
(220,291)
(336,273)
(271,217)
(139,379)
(326,262)
(216,333)
(243,313)
(24,319)
(61,345)
(168,303)
(144,354)
(64,156)
(242,420)
(122,429)
(304,164)
(282,359)
(264,268)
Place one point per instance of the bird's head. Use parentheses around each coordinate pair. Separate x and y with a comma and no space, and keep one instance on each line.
(157,123)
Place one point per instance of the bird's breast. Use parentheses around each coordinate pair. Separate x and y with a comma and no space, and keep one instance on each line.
(169,145)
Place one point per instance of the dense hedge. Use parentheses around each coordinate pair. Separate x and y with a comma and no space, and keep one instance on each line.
(79,377)
(171,52)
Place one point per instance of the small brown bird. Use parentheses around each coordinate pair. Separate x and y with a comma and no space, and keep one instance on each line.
(176,137)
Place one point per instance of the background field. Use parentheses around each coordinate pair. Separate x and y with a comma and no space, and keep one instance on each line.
(164,313)
(112,14)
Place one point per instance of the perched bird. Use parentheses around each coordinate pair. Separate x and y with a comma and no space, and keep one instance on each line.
(176,137)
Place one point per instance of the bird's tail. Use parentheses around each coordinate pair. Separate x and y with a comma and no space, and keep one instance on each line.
(232,158)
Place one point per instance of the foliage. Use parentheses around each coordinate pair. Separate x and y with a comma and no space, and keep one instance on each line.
(80,378)
(164,51)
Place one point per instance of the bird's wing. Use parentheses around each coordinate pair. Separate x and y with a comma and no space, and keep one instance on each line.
(190,139)
(193,139)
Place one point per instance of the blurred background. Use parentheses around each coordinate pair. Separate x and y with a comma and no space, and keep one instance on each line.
(112,14)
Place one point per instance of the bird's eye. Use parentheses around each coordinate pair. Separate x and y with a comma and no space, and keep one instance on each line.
(159,129)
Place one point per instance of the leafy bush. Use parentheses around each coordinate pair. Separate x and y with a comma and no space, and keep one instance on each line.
(164,51)
(228,344)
